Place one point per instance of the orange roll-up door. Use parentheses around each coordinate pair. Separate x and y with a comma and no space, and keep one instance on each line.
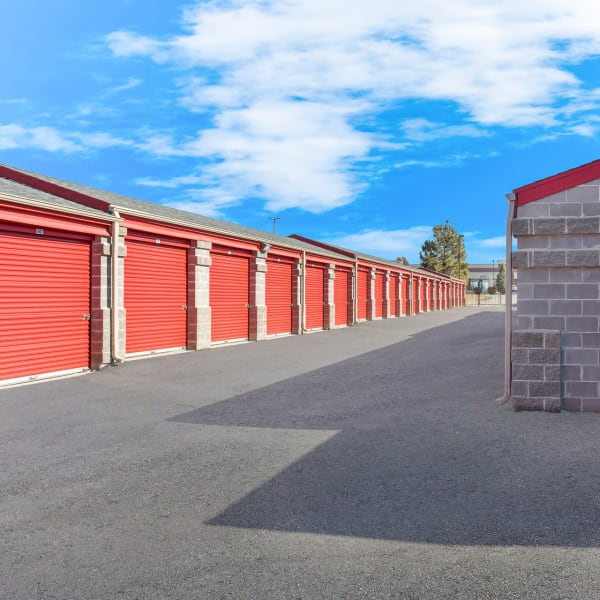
(405,294)
(44,305)
(393,294)
(229,295)
(362,293)
(278,295)
(315,296)
(341,295)
(155,295)
(379,293)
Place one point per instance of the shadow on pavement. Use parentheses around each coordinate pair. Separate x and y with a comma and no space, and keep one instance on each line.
(422,454)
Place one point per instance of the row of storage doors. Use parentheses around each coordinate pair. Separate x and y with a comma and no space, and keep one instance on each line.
(46,303)
(45,298)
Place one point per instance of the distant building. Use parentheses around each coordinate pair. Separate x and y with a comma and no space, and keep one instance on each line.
(484,275)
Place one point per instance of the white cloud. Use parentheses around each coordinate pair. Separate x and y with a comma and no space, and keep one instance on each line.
(126,43)
(14,136)
(408,242)
(131,83)
(494,242)
(386,243)
(423,130)
(296,87)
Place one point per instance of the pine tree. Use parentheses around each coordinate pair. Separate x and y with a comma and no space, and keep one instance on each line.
(445,253)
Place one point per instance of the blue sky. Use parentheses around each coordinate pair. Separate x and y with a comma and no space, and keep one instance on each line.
(360,123)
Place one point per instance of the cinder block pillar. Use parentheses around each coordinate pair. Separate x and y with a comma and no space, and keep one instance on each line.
(258,307)
(536,380)
(100,331)
(329,308)
(199,315)
(297,297)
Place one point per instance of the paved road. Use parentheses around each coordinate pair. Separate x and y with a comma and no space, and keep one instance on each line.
(367,462)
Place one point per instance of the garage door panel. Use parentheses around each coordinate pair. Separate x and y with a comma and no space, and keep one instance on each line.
(341,295)
(155,296)
(229,296)
(315,297)
(278,296)
(393,295)
(44,295)
(379,294)
(362,294)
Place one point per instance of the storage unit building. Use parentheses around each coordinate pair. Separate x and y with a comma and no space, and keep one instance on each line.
(116,277)
(555,345)
(48,291)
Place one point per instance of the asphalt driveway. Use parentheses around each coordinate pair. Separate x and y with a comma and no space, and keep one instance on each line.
(367,462)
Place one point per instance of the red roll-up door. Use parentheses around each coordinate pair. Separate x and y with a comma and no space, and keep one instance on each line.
(315,296)
(415,295)
(229,295)
(155,295)
(405,294)
(431,304)
(379,293)
(393,294)
(278,295)
(44,305)
(362,294)
(341,295)
(423,295)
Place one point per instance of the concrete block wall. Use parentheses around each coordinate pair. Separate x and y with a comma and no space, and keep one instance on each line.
(257,301)
(199,313)
(100,323)
(558,263)
(328,293)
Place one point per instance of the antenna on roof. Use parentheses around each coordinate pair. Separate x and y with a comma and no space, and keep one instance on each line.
(274,219)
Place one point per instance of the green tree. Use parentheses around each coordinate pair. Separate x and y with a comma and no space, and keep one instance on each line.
(501,280)
(402,260)
(445,253)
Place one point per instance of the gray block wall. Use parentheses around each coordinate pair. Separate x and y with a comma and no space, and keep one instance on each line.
(556,343)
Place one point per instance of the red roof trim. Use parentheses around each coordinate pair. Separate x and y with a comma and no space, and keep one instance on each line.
(52,188)
(557,183)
